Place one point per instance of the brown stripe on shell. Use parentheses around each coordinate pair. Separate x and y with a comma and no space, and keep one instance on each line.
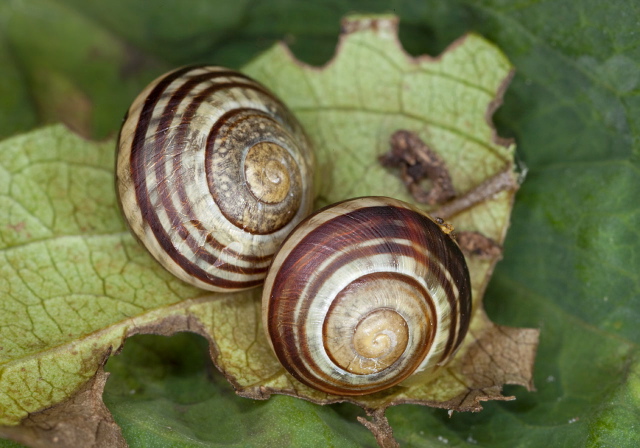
(151,135)
(178,140)
(178,187)
(343,231)
(271,217)
(442,248)
(139,162)
(338,234)
(403,371)
(363,253)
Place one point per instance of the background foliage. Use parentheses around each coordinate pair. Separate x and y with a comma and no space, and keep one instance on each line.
(571,258)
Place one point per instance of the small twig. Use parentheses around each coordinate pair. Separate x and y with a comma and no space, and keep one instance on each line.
(505,180)
(379,426)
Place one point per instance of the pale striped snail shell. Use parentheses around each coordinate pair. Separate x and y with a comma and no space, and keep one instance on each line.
(213,172)
(364,294)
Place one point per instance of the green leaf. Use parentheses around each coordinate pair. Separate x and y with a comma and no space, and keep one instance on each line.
(573,110)
(78,285)
(69,269)
(63,66)
(168,384)
(350,108)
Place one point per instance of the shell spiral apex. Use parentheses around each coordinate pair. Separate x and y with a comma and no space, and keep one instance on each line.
(213,172)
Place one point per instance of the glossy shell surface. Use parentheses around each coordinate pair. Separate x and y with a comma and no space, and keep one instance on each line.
(363,295)
(213,172)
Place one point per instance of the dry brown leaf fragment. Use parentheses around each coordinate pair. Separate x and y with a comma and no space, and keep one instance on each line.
(81,420)
(381,429)
(478,245)
(417,162)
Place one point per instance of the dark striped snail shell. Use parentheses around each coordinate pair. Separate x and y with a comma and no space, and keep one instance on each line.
(364,294)
(213,172)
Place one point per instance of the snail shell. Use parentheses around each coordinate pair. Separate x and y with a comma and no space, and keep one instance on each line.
(364,294)
(213,172)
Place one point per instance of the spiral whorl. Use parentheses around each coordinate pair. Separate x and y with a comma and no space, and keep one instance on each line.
(213,172)
(364,294)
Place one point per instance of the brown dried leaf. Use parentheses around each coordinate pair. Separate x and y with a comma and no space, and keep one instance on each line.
(81,420)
